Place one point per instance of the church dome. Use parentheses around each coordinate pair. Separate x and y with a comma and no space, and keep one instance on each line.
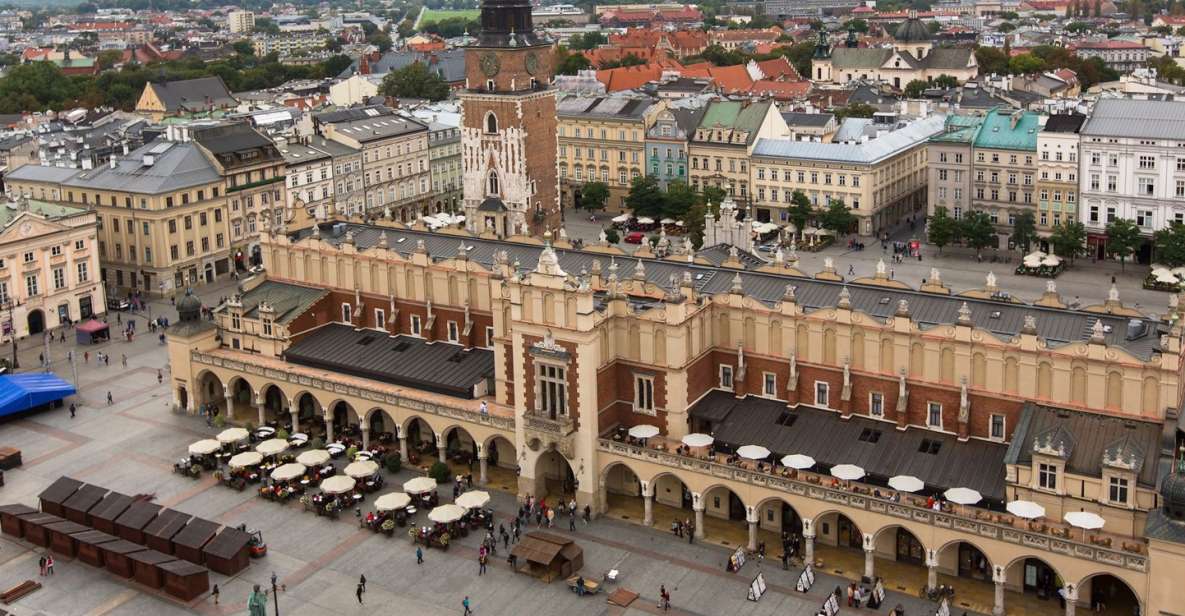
(912,30)
(1172,492)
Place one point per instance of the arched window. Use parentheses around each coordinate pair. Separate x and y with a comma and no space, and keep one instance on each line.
(492,182)
(491,122)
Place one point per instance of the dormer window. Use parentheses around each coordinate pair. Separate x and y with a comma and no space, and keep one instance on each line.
(1047,476)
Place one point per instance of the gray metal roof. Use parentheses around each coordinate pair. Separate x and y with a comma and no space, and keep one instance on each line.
(40,173)
(874,150)
(797,118)
(299,154)
(175,165)
(381,127)
(441,367)
(288,301)
(1003,318)
(619,107)
(1136,119)
(193,94)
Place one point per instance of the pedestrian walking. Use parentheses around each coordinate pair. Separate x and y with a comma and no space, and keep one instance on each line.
(106,360)
(86,357)
(71,410)
(505,540)
(160,377)
(419,555)
(481,562)
(587,514)
(572,523)
(41,565)
(362,582)
(550,518)
(110,400)
(516,531)
(49,564)
(214,593)
(690,532)
(361,589)
(465,604)
(124,359)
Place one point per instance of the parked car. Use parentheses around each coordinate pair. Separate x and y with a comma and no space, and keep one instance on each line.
(635,237)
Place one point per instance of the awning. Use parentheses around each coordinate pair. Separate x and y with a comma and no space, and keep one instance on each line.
(21,392)
(91,326)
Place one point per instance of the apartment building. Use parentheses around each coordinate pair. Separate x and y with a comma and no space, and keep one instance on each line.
(395,172)
(722,144)
(666,143)
(603,139)
(1057,171)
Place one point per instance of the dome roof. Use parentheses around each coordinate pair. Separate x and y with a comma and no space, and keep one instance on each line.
(1172,492)
(912,30)
(189,308)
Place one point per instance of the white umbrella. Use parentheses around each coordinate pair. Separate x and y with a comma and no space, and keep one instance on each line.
(906,483)
(645,220)
(1050,261)
(847,472)
(232,435)
(272,446)
(798,461)
(473,499)
(392,501)
(1084,520)
(338,484)
(963,496)
(1166,277)
(622,218)
(361,470)
(644,431)
(245,459)
(753,452)
(698,440)
(1032,261)
(298,437)
(288,472)
(1036,253)
(204,447)
(667,221)
(1025,509)
(313,457)
(263,431)
(419,485)
(446,513)
(1179,272)
(1156,271)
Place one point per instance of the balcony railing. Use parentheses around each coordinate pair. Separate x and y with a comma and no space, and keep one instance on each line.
(982,523)
(560,426)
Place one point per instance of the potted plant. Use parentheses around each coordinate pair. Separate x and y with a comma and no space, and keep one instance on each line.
(393,462)
(388,527)
(440,472)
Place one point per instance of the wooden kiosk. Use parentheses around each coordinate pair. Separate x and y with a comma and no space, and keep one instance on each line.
(116,556)
(185,580)
(130,525)
(61,537)
(88,546)
(547,556)
(229,552)
(10,521)
(33,525)
(160,532)
(52,497)
(109,509)
(146,567)
(77,508)
(188,543)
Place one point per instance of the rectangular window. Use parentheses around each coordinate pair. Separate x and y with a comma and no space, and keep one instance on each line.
(726,377)
(267,327)
(822,393)
(416,327)
(55,250)
(31,288)
(770,384)
(347,313)
(59,278)
(489,337)
(380,318)
(454,334)
(934,415)
(551,390)
(83,272)
(1117,490)
(644,394)
(1047,476)
(876,404)
(997,427)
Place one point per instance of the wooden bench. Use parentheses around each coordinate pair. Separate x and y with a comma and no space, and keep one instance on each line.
(20,590)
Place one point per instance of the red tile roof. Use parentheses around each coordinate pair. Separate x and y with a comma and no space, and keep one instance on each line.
(630,77)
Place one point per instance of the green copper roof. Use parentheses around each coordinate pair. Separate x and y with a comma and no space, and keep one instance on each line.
(959,129)
(9,211)
(999,131)
(734,114)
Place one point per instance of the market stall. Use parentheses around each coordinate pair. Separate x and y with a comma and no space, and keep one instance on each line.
(108,510)
(34,527)
(10,522)
(185,580)
(546,556)
(189,542)
(77,507)
(117,556)
(91,331)
(89,543)
(160,532)
(131,524)
(228,553)
(146,567)
(52,497)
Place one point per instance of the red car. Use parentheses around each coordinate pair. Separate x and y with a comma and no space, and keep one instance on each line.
(634,237)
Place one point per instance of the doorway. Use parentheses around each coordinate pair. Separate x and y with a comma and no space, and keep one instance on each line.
(36,321)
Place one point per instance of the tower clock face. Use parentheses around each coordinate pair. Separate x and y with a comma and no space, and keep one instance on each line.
(490,64)
(532,63)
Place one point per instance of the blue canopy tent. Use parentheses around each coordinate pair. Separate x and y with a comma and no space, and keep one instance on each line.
(22,392)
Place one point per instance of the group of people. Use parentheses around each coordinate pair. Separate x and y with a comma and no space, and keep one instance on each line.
(861,596)
(545,516)
(684,528)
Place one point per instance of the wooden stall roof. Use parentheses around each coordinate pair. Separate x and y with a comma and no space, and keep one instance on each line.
(112,506)
(542,548)
(167,523)
(228,543)
(94,537)
(182,567)
(151,557)
(85,498)
(196,533)
(60,490)
(17,509)
(138,515)
(122,546)
(67,527)
(42,519)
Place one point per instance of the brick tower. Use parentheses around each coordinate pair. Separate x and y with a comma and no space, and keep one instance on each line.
(508,125)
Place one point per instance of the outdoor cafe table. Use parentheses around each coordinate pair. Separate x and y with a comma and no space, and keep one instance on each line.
(185,580)
(61,489)
(61,538)
(116,556)
(88,546)
(131,524)
(188,543)
(33,525)
(160,532)
(104,514)
(146,567)
(77,507)
(10,522)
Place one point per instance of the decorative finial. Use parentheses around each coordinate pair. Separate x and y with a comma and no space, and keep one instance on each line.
(965,314)
(737,286)
(845,297)
(991,281)
(903,308)
(788,296)
(935,276)
(1030,326)
(1113,294)
(1097,331)
(1050,287)
(383,240)
(640,271)
(880,268)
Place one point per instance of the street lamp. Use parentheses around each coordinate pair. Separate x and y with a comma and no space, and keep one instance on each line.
(10,305)
(275,594)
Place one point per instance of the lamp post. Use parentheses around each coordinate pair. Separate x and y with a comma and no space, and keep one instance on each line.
(275,594)
(11,307)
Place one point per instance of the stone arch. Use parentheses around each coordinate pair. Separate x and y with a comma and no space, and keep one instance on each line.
(1011,375)
(459,443)
(554,476)
(490,123)
(1114,390)
(964,560)
(1077,382)
(886,355)
(622,479)
(1108,589)
(889,543)
(379,421)
(1149,395)
(1045,574)
(342,412)
(275,401)
(209,388)
(501,451)
(242,396)
(1044,380)
(306,404)
(834,527)
(721,501)
(670,489)
(777,514)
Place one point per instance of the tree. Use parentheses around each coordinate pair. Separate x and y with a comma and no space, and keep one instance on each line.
(837,218)
(1123,238)
(858,25)
(915,88)
(1068,239)
(693,226)
(264,25)
(946,81)
(855,110)
(1006,27)
(1169,244)
(415,80)
(646,197)
(713,196)
(991,61)
(108,59)
(800,211)
(1024,231)
(977,231)
(1025,64)
(611,235)
(243,48)
(681,198)
(593,196)
(381,40)
(941,229)
(570,63)
(588,40)
(628,60)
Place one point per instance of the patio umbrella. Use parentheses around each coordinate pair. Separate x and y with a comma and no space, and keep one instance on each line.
(753,452)
(245,459)
(298,438)
(204,447)
(622,218)
(644,431)
(847,472)
(1085,520)
(963,496)
(473,499)
(698,440)
(288,472)
(1166,277)
(1031,261)
(1025,509)
(798,461)
(667,221)
(272,446)
(392,501)
(361,470)
(906,483)
(232,435)
(1179,272)
(338,484)
(446,513)
(419,485)
(313,457)
(645,220)
(1051,261)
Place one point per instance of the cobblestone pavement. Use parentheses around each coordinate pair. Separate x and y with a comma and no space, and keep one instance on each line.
(130,446)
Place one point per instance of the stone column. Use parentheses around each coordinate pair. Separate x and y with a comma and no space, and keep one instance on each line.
(752,518)
(931,569)
(647,504)
(230,407)
(328,428)
(403,448)
(1071,599)
(999,577)
(697,504)
(808,546)
(869,561)
(261,407)
(483,462)
(365,437)
(295,420)
(440,448)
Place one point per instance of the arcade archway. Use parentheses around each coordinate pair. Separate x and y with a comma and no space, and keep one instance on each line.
(554,477)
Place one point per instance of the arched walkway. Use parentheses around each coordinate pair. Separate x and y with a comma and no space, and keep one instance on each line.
(779,528)
(345,421)
(308,412)
(554,477)
(421,442)
(501,463)
(36,321)
(1033,586)
(242,400)
(1106,594)
(210,390)
(275,404)
(839,544)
